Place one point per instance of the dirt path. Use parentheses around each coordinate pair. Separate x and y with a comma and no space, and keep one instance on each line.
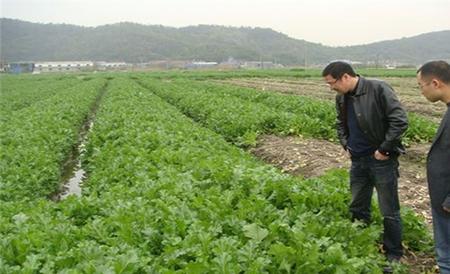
(313,157)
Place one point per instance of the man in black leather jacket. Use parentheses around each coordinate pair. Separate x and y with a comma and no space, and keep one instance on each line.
(370,124)
(434,82)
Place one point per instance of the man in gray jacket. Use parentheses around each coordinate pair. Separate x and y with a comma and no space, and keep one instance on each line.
(434,81)
(370,123)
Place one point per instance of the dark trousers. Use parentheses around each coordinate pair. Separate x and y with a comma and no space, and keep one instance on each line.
(365,174)
(441,229)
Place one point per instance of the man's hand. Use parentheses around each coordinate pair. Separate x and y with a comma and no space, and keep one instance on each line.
(347,152)
(446,204)
(349,155)
(379,156)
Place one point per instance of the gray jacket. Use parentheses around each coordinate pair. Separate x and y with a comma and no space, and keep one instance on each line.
(438,167)
(379,113)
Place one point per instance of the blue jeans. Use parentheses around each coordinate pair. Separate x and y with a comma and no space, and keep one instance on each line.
(441,230)
(366,173)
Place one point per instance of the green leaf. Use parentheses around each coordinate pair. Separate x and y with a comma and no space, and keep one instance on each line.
(253,231)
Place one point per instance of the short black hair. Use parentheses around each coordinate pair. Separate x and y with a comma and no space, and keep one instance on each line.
(337,69)
(438,69)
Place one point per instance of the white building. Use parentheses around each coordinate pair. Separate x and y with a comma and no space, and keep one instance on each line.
(63,66)
(258,65)
(200,64)
(111,65)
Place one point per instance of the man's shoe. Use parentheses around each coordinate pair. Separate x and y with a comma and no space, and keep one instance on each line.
(392,259)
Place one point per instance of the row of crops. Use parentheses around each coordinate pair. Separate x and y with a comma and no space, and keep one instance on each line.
(37,138)
(240,114)
(166,192)
(271,73)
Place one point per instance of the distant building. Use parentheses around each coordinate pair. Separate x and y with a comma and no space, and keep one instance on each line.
(63,66)
(3,67)
(160,65)
(258,64)
(21,67)
(200,64)
(351,62)
(231,63)
(111,65)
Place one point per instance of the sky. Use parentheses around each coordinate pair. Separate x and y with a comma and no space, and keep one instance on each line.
(332,23)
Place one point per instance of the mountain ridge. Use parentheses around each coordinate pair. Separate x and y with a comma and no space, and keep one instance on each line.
(135,43)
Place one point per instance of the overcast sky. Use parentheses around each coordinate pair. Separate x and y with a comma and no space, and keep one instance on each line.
(333,23)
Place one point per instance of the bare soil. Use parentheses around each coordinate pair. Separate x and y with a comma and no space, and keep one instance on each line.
(313,157)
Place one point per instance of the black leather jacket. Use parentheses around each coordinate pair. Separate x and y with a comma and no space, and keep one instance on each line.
(438,167)
(379,113)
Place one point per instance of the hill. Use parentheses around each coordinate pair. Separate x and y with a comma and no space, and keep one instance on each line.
(131,42)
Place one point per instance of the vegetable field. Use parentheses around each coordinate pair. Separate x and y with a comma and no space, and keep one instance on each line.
(170,184)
